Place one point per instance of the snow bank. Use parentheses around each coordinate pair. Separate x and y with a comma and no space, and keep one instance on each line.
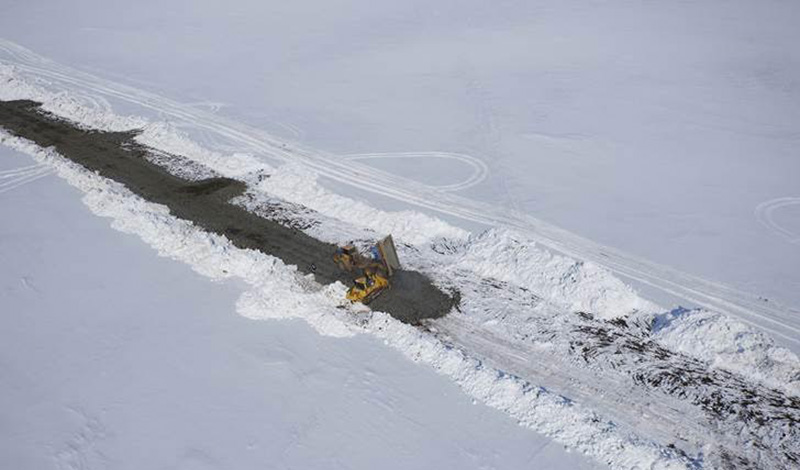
(572,285)
(298,184)
(167,138)
(730,345)
(89,111)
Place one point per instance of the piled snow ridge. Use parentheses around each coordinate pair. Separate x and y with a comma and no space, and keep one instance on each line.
(181,167)
(728,344)
(298,184)
(86,111)
(215,257)
(167,138)
(571,285)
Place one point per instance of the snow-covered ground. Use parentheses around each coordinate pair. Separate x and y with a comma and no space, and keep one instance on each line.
(114,357)
(664,131)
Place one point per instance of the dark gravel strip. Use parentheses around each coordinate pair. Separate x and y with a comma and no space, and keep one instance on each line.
(115,155)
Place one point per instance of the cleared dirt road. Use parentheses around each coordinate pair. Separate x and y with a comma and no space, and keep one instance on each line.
(115,155)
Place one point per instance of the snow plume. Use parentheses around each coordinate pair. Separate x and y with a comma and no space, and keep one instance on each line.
(215,257)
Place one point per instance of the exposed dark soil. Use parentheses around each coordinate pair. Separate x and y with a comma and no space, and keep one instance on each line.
(115,155)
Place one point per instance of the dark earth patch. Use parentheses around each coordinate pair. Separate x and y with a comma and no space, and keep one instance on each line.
(206,203)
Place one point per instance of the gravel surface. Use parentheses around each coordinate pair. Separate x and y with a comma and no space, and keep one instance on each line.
(206,203)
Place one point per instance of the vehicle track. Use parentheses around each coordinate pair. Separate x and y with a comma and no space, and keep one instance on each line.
(479,169)
(14,178)
(764,214)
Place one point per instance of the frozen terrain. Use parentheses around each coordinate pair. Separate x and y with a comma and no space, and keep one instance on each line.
(664,133)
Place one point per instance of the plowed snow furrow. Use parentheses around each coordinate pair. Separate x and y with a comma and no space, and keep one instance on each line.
(624,375)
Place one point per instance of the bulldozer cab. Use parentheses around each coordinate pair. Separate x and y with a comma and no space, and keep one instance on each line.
(376,267)
(361,283)
(346,257)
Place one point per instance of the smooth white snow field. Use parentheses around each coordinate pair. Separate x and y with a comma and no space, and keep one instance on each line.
(114,357)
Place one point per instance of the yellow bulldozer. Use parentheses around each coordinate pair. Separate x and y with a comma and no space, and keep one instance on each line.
(372,271)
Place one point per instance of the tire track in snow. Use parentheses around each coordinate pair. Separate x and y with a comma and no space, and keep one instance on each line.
(778,320)
(479,169)
(21,171)
(765,214)
(14,178)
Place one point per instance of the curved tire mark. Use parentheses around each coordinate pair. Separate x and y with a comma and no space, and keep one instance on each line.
(765,214)
(479,169)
